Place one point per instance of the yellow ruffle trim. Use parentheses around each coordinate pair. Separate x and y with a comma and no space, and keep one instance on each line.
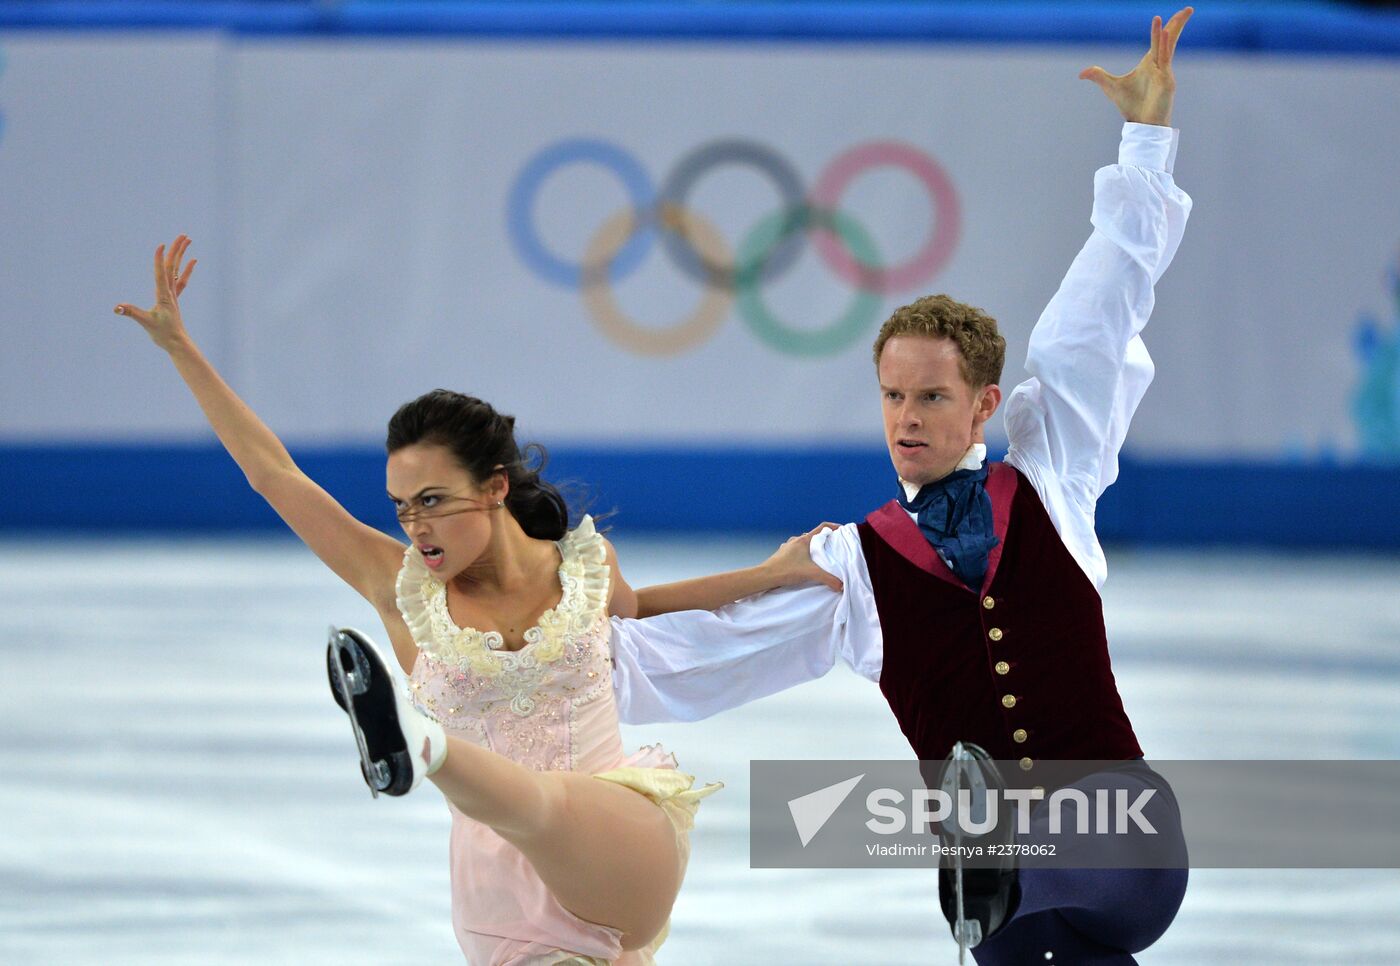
(673,790)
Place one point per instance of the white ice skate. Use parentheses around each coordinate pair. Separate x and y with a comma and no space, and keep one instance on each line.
(399,744)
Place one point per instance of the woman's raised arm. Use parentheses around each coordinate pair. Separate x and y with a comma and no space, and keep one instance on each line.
(362,556)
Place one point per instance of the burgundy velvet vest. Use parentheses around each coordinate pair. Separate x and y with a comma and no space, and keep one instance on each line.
(1020,668)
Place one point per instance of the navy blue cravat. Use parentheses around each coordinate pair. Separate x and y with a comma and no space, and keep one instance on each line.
(955,516)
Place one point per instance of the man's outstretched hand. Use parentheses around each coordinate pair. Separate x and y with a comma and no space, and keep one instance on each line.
(1145,95)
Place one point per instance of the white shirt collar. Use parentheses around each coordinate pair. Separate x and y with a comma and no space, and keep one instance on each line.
(971,460)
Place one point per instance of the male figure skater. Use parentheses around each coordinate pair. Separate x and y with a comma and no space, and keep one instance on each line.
(973,600)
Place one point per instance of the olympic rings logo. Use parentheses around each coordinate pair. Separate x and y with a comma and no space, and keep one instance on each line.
(772,247)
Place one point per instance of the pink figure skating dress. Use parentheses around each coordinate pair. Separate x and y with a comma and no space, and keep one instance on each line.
(550,707)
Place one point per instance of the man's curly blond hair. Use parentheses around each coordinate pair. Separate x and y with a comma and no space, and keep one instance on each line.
(972,330)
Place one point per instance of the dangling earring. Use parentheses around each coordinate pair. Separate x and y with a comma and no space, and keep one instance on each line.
(500,468)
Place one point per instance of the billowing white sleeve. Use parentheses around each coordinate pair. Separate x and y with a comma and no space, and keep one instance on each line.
(1088,365)
(691,664)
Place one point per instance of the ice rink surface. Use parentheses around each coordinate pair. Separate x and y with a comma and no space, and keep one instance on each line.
(180,788)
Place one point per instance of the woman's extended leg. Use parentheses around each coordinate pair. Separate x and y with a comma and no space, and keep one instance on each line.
(607,853)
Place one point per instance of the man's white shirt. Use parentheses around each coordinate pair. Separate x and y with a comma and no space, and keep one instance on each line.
(1088,369)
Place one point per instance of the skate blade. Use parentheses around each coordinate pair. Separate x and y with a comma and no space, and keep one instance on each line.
(350,683)
(964,772)
(357,677)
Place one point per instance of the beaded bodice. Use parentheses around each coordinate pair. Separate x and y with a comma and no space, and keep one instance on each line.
(548,705)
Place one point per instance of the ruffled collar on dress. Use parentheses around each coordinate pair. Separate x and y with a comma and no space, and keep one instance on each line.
(584,577)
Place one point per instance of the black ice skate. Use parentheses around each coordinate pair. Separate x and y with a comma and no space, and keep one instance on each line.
(976,901)
(399,745)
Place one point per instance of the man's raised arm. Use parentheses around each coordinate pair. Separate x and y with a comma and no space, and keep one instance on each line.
(1088,365)
(1145,94)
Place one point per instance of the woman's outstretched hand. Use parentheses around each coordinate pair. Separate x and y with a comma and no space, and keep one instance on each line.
(792,562)
(162,321)
(1145,94)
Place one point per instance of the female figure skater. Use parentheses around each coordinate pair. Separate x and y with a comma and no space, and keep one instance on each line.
(564,850)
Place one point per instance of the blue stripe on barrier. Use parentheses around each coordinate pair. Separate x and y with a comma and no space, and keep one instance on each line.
(51,489)
(1265,26)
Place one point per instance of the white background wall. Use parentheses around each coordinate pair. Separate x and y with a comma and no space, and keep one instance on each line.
(348,205)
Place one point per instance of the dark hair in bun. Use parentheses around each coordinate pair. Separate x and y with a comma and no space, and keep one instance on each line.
(482,439)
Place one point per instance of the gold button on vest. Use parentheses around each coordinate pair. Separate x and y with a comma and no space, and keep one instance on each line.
(1019,735)
(988,603)
(1008,700)
(1026,764)
(995,633)
(1003,667)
